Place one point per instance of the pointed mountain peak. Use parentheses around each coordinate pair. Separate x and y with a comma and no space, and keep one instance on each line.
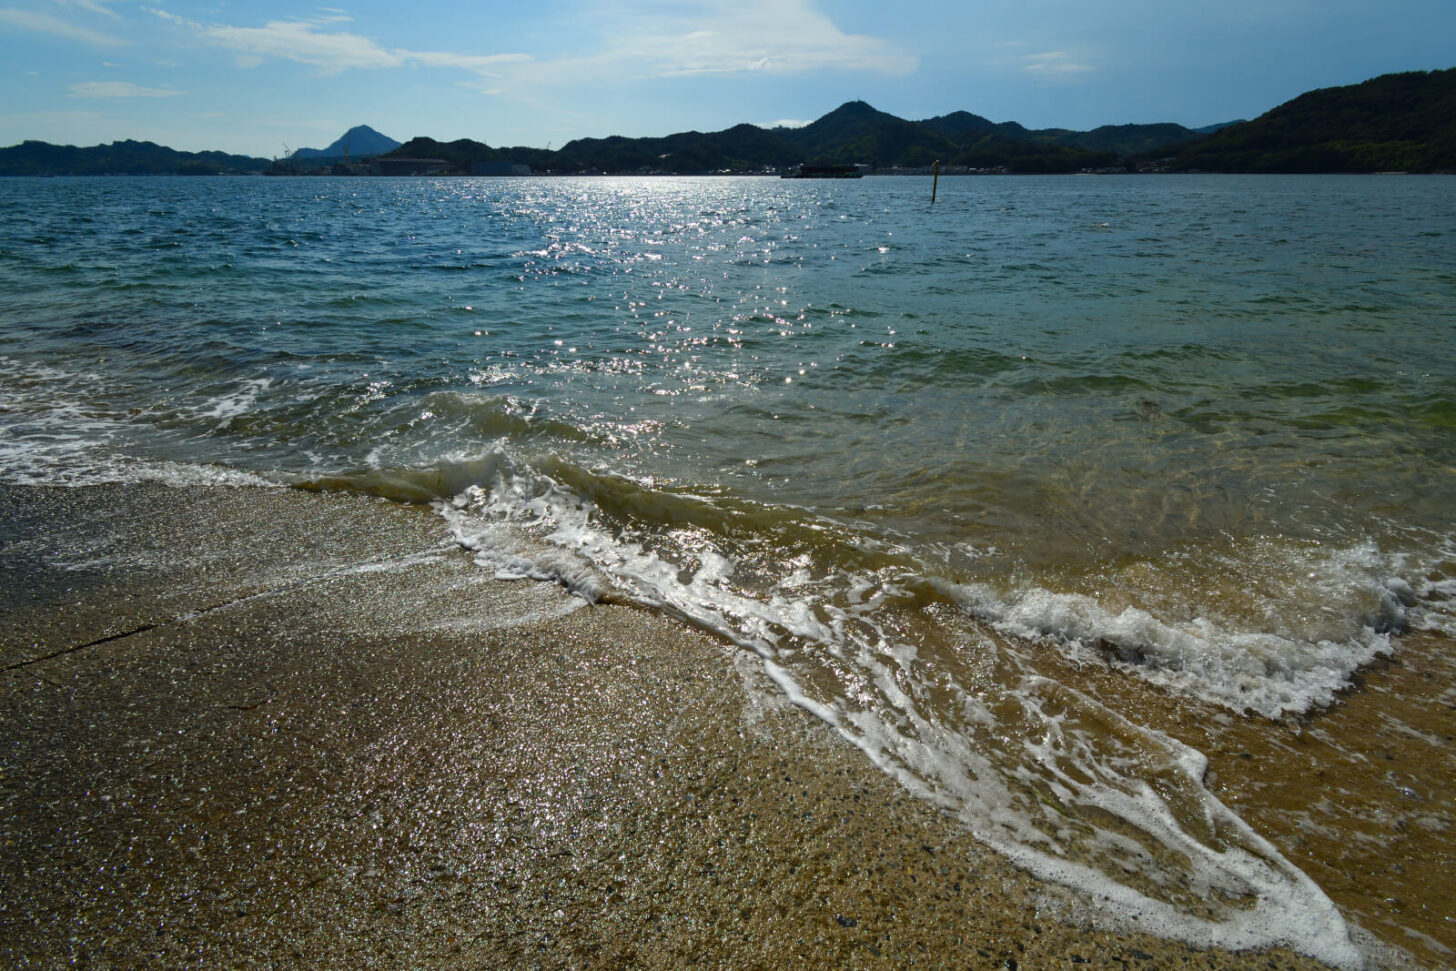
(359,141)
(854,111)
(852,115)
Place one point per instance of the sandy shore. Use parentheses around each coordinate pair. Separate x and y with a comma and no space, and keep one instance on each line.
(252,727)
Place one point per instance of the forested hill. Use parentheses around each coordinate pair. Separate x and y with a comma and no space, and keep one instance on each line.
(1396,122)
(854,132)
(121,158)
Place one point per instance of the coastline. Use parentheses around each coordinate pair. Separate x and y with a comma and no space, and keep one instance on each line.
(250,726)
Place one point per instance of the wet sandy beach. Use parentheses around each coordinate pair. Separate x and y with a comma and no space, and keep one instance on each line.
(261,727)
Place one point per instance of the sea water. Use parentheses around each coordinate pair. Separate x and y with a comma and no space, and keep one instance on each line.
(1200,430)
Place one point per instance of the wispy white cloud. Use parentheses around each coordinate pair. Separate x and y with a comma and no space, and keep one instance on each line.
(775,36)
(331,52)
(313,42)
(41,23)
(120,89)
(171,17)
(691,40)
(95,6)
(485,65)
(779,36)
(1053,64)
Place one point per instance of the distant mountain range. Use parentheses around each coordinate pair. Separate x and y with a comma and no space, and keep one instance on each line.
(1396,122)
(122,158)
(1404,122)
(854,132)
(361,141)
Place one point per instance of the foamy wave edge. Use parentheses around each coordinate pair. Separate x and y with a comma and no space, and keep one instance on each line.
(493,497)
(122,471)
(1182,657)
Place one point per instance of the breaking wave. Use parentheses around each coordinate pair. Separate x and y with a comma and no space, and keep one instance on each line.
(849,623)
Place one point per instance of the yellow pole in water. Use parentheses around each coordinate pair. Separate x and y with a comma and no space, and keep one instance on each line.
(935,184)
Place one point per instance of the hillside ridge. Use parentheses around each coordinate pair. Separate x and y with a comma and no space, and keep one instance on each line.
(1395,122)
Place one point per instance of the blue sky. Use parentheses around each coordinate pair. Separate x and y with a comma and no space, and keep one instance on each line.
(254,77)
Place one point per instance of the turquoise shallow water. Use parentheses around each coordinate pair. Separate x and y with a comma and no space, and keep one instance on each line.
(1202,428)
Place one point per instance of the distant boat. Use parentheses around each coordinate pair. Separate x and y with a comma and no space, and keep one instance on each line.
(825,172)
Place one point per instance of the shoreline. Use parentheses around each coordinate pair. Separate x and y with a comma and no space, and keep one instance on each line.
(264,726)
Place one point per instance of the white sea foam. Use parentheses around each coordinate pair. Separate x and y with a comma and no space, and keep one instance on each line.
(1431,592)
(239,401)
(53,432)
(493,550)
(1028,764)
(1261,671)
(78,461)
